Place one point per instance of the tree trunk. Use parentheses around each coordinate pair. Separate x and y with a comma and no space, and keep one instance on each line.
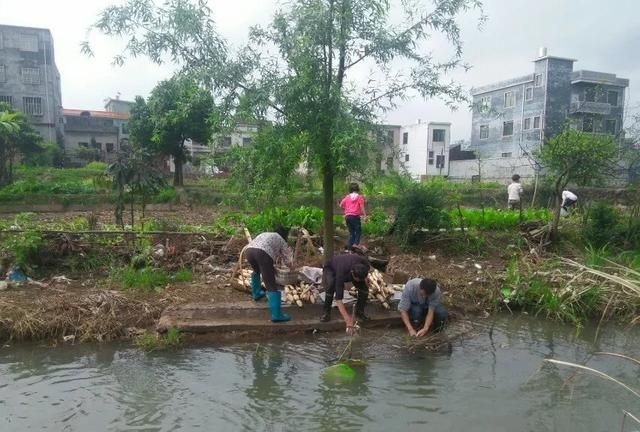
(133,225)
(177,175)
(327,189)
(556,208)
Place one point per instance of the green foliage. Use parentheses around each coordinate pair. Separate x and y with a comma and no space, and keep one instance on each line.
(17,138)
(377,223)
(420,206)
(149,342)
(496,219)
(146,279)
(88,154)
(603,226)
(50,155)
(23,248)
(161,225)
(166,195)
(300,70)
(96,166)
(179,109)
(183,275)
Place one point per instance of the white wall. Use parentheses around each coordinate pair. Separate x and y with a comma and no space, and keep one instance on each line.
(495,169)
(420,143)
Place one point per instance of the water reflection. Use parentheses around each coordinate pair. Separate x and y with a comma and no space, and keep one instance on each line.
(491,382)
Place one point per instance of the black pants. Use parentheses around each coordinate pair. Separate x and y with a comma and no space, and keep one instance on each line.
(329,282)
(418,315)
(354,224)
(568,203)
(262,264)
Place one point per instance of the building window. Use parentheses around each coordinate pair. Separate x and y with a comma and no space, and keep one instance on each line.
(612,96)
(485,104)
(6,99)
(97,145)
(528,94)
(527,124)
(3,73)
(246,140)
(125,128)
(226,141)
(406,158)
(536,122)
(537,80)
(507,128)
(506,155)
(440,161)
(27,43)
(484,132)
(610,126)
(430,158)
(587,124)
(509,99)
(405,138)
(32,105)
(109,147)
(31,75)
(590,94)
(438,135)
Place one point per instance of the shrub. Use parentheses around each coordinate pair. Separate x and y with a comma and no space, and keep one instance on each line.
(51,155)
(24,248)
(377,223)
(151,342)
(96,166)
(419,206)
(603,226)
(166,195)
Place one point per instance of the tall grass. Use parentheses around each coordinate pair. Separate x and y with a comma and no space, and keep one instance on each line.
(496,219)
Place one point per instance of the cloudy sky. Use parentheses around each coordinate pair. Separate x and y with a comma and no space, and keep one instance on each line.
(603,36)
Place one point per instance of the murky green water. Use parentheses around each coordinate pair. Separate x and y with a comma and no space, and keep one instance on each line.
(485,384)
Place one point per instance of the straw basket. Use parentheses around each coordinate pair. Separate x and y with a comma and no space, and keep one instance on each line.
(286,277)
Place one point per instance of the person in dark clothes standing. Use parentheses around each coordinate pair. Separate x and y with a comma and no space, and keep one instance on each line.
(262,252)
(336,272)
(354,211)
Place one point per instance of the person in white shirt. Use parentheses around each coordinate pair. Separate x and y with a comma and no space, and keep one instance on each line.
(568,199)
(514,191)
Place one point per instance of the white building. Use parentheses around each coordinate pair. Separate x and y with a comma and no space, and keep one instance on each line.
(424,149)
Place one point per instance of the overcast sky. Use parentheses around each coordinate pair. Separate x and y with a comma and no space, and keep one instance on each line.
(603,36)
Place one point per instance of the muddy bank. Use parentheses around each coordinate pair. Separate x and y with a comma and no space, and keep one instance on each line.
(97,309)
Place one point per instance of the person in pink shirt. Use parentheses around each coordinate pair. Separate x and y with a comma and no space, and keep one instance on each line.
(353,206)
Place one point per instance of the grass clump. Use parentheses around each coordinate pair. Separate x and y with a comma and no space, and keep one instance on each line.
(183,275)
(146,279)
(149,342)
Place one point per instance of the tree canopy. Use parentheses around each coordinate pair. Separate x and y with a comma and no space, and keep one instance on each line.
(17,138)
(323,71)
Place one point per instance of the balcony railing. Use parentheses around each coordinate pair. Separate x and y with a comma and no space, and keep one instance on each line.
(590,108)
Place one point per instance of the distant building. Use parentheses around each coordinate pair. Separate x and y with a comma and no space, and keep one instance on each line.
(420,150)
(241,136)
(512,118)
(118,105)
(29,78)
(104,131)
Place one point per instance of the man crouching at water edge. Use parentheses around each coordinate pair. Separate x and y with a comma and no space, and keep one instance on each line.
(420,307)
(337,271)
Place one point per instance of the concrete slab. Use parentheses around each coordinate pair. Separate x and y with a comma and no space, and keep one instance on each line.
(247,318)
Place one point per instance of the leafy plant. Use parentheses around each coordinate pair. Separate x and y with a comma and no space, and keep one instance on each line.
(377,223)
(420,206)
(149,342)
(603,226)
(24,247)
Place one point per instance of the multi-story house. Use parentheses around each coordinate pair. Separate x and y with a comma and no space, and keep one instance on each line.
(105,131)
(512,118)
(420,150)
(29,78)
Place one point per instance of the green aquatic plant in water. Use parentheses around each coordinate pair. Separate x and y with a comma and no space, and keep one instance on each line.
(340,372)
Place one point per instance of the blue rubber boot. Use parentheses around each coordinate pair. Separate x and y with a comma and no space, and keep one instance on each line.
(274,299)
(256,290)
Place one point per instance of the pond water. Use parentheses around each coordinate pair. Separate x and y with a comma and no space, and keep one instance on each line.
(494,381)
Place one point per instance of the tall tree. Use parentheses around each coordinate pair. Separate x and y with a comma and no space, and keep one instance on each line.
(578,157)
(140,124)
(179,110)
(323,69)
